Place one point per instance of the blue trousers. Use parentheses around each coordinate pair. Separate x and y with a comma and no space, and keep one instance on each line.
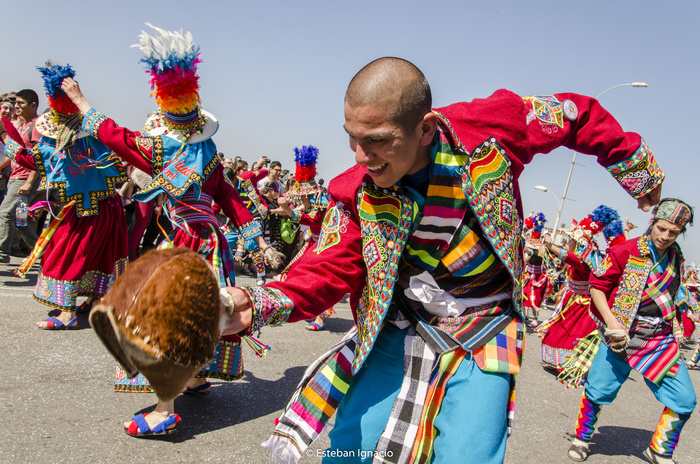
(471,426)
(608,372)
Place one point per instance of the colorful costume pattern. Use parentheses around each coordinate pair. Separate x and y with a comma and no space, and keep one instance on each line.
(536,287)
(640,285)
(191,177)
(572,319)
(247,247)
(465,235)
(85,248)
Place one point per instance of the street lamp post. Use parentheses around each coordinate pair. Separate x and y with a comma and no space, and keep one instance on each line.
(573,160)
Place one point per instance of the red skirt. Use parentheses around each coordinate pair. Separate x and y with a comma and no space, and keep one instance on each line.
(84,256)
(562,332)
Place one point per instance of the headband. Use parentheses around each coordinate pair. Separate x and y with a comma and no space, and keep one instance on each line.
(675,212)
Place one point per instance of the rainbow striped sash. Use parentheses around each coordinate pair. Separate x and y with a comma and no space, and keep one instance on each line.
(314,401)
(657,289)
(43,241)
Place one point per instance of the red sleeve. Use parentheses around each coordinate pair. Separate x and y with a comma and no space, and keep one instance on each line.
(334,267)
(226,197)
(23,157)
(575,262)
(127,144)
(526,126)
(314,220)
(255,176)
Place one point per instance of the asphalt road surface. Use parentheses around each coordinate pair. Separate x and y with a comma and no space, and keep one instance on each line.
(57,402)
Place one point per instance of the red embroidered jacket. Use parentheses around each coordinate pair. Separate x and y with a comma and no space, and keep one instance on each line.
(492,139)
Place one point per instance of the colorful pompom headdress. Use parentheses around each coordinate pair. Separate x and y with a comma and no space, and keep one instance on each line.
(602,219)
(171,59)
(53,76)
(535,223)
(62,122)
(305,159)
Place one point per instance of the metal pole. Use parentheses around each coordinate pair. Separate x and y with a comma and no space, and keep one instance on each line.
(563,198)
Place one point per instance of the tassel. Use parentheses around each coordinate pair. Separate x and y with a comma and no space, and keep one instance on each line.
(575,371)
(43,241)
(258,347)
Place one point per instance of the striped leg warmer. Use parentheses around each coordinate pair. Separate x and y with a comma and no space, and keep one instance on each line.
(696,355)
(668,430)
(587,416)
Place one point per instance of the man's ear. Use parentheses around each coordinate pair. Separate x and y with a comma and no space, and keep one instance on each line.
(427,128)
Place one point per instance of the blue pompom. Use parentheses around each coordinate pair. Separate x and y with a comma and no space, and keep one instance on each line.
(306,156)
(605,215)
(613,229)
(53,76)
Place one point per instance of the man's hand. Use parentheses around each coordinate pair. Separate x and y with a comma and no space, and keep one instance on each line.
(240,315)
(72,89)
(650,199)
(615,325)
(25,188)
(283,202)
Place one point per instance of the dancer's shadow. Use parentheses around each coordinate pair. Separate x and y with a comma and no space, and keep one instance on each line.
(15,281)
(230,403)
(338,325)
(611,440)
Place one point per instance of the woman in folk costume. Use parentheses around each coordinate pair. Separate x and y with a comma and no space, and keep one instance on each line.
(309,216)
(536,281)
(246,184)
(572,319)
(176,149)
(85,247)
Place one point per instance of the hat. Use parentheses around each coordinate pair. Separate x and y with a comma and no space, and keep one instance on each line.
(156,124)
(305,160)
(535,222)
(62,122)
(602,219)
(171,59)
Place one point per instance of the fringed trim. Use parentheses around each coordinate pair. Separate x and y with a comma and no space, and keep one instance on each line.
(575,371)
(217,375)
(133,388)
(257,346)
(43,241)
(282,450)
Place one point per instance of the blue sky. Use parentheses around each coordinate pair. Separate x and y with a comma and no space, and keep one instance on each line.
(274,72)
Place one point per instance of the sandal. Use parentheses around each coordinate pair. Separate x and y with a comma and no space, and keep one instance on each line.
(655,458)
(139,427)
(201,390)
(315,326)
(53,323)
(578,453)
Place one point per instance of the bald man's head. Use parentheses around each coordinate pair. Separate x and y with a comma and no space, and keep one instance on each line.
(395,84)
